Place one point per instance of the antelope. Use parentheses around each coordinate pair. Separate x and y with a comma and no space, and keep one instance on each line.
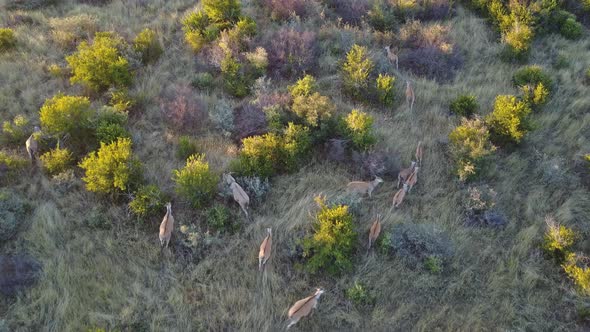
(303,307)
(403,174)
(374,231)
(166,226)
(412,179)
(362,187)
(239,194)
(265,249)
(410,96)
(392,57)
(419,153)
(32,145)
(398,198)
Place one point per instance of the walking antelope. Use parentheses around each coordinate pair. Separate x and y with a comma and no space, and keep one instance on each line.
(419,153)
(265,249)
(392,57)
(411,181)
(166,226)
(374,231)
(403,174)
(303,307)
(410,96)
(32,145)
(398,198)
(239,194)
(362,187)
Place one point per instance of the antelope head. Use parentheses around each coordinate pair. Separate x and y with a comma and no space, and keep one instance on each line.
(408,84)
(169,207)
(36,129)
(406,187)
(269,231)
(413,165)
(318,293)
(228,178)
(378,180)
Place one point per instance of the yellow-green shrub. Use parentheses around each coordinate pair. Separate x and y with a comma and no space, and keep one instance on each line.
(469,145)
(296,145)
(7,39)
(558,240)
(507,121)
(579,274)
(313,109)
(261,155)
(359,127)
(147,44)
(385,84)
(331,246)
(15,131)
(64,114)
(112,168)
(195,181)
(147,200)
(356,70)
(304,86)
(56,160)
(100,65)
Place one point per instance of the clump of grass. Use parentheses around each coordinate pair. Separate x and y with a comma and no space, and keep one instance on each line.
(7,39)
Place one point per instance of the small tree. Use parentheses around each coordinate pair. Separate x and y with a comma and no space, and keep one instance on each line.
(196,181)
(113,168)
(331,246)
(57,160)
(63,114)
(359,126)
(507,121)
(296,145)
(147,44)
(385,85)
(15,132)
(579,274)
(356,70)
(558,240)
(100,65)
(223,11)
(261,155)
(518,40)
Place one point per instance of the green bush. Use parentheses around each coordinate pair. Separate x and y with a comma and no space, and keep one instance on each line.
(433,264)
(221,220)
(579,274)
(464,105)
(261,155)
(385,92)
(110,132)
(313,109)
(203,81)
(194,25)
(147,201)
(12,213)
(15,132)
(358,295)
(235,79)
(120,100)
(112,168)
(359,126)
(10,165)
(469,145)
(535,96)
(532,75)
(296,145)
(305,86)
(147,44)
(557,241)
(57,160)
(223,11)
(195,181)
(7,39)
(571,29)
(356,70)
(100,65)
(331,246)
(518,41)
(63,115)
(507,122)
(382,16)
(186,147)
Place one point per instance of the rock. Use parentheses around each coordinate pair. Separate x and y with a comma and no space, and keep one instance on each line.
(17,273)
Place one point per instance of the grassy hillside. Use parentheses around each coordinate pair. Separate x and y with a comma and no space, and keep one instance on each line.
(103,269)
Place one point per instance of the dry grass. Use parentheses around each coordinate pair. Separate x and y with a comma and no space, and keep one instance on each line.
(118,278)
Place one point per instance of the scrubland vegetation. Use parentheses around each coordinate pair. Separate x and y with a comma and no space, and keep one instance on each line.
(146,102)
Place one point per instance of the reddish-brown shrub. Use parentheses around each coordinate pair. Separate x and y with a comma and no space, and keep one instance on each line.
(350,11)
(249,120)
(291,52)
(431,62)
(282,9)
(183,109)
